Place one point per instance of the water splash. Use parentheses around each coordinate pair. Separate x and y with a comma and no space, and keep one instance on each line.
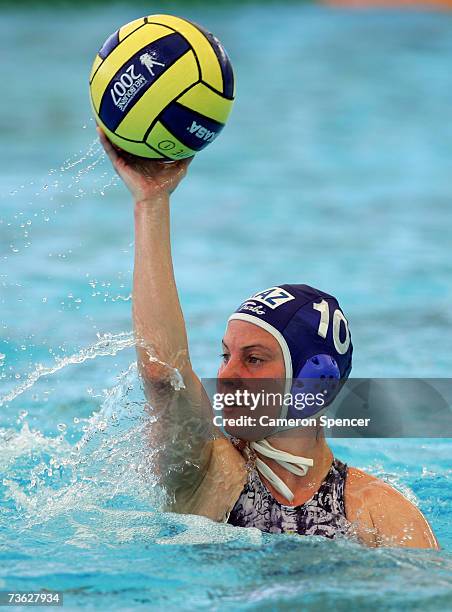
(107,345)
(61,188)
(48,476)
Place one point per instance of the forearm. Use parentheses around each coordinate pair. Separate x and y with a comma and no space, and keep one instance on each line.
(157,316)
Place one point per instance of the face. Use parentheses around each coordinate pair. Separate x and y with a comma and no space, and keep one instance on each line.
(250,354)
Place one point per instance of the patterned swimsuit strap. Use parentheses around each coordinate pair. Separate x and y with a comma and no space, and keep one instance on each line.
(334,484)
(250,454)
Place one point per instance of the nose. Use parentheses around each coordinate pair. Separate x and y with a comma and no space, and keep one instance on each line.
(230,376)
(233,369)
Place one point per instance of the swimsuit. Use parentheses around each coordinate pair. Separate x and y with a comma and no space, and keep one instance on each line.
(322,515)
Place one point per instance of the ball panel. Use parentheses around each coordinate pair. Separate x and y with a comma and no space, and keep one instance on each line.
(127,29)
(137,148)
(121,55)
(205,101)
(208,61)
(166,142)
(225,64)
(97,62)
(178,77)
(111,43)
(192,129)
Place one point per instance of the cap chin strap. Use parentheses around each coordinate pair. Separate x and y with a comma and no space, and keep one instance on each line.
(295,464)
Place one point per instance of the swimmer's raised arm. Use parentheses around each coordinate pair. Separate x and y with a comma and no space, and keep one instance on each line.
(181,435)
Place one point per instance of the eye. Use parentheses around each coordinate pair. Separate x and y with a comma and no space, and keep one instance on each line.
(255,360)
(224,357)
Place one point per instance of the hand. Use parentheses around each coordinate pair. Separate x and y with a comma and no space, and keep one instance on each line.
(146,179)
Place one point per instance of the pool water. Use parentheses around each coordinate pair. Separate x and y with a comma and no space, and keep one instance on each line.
(334,170)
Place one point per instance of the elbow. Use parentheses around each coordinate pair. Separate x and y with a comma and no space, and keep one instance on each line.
(156,375)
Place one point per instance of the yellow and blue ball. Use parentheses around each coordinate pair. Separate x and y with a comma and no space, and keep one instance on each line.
(162,87)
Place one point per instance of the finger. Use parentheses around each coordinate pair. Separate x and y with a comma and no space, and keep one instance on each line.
(184,163)
(187,161)
(108,147)
(104,141)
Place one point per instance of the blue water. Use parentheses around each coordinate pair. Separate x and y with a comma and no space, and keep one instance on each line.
(335,171)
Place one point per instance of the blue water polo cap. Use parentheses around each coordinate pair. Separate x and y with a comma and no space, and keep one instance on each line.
(309,326)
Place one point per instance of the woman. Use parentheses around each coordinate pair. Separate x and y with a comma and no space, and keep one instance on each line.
(289,481)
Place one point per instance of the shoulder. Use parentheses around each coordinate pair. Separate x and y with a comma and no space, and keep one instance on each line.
(382,515)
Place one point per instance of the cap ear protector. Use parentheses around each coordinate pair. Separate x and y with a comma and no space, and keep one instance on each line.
(315,386)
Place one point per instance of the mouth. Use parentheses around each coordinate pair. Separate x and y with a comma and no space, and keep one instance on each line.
(236,411)
(229,409)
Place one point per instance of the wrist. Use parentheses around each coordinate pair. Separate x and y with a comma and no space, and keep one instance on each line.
(150,202)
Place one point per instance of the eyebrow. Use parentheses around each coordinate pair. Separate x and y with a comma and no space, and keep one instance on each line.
(250,346)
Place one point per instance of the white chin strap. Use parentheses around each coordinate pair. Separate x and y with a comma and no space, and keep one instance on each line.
(293,463)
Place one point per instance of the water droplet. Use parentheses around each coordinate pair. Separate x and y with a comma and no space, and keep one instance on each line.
(62,426)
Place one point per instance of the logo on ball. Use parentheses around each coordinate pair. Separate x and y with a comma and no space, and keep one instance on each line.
(201,132)
(126,87)
(149,62)
(166,145)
